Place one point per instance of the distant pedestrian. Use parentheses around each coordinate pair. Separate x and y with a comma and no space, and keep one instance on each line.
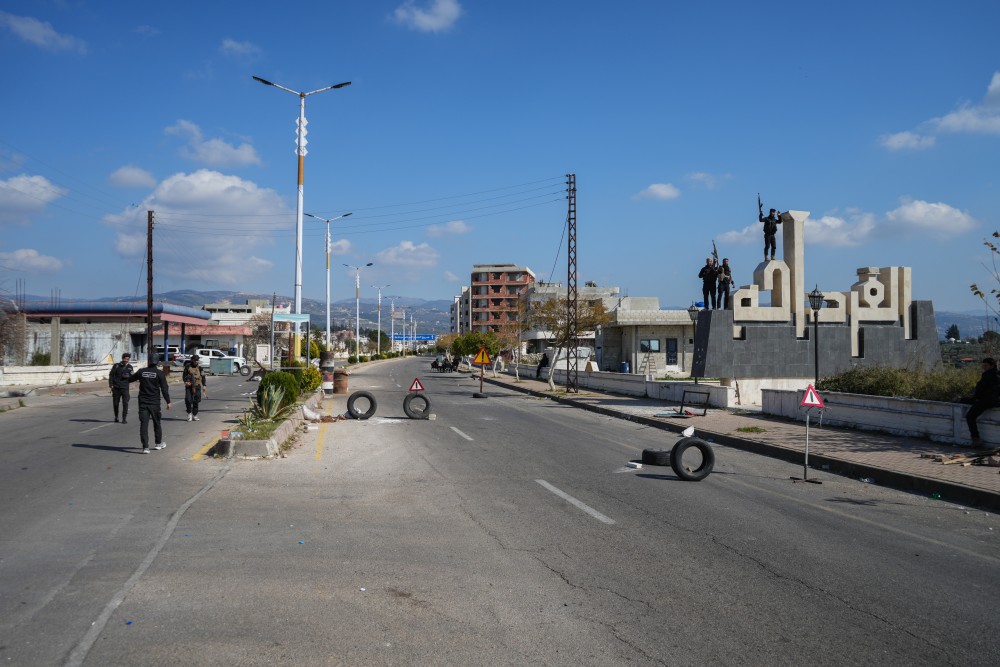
(118,384)
(709,274)
(152,383)
(986,396)
(725,282)
(195,386)
(542,364)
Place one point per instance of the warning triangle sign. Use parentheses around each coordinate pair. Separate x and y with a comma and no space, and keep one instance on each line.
(416,386)
(483,357)
(811,399)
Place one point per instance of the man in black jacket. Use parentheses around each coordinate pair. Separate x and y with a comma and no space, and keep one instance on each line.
(725,281)
(771,223)
(708,274)
(118,384)
(152,383)
(987,396)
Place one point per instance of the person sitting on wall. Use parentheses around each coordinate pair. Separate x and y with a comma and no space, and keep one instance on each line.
(986,396)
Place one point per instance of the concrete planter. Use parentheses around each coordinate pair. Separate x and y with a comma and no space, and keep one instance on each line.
(935,420)
(229,448)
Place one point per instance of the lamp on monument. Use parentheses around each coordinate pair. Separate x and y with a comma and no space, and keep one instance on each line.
(816,303)
(693,311)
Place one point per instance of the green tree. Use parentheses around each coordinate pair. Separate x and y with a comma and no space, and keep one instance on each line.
(551,315)
(952,332)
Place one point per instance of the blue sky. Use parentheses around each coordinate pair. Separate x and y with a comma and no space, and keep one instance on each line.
(452,143)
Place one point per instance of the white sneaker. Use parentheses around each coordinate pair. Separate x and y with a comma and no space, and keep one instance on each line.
(189,416)
(159,445)
(196,418)
(145,450)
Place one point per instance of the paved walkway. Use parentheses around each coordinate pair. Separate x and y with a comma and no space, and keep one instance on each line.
(881,458)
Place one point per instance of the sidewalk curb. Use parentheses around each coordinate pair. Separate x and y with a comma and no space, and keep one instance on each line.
(949,491)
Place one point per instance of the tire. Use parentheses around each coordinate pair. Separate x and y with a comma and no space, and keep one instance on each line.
(357,414)
(677,459)
(416,414)
(656,457)
(245,370)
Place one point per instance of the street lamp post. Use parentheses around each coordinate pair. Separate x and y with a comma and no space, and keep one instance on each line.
(328,221)
(379,339)
(357,303)
(816,303)
(693,314)
(301,152)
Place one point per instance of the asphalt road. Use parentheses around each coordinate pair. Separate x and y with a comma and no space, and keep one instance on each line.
(506,530)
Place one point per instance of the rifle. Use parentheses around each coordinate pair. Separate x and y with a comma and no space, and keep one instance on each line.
(760,204)
(715,253)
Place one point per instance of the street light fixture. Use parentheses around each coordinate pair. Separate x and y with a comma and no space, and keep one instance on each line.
(379,339)
(816,303)
(693,314)
(357,302)
(301,152)
(328,221)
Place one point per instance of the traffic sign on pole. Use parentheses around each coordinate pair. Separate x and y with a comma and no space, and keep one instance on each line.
(811,399)
(483,357)
(416,386)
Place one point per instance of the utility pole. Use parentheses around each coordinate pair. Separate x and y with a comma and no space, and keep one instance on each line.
(572,334)
(149,288)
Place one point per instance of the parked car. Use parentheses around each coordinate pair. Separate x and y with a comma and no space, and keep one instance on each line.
(172,351)
(205,356)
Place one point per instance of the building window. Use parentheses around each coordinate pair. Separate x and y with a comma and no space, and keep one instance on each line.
(649,345)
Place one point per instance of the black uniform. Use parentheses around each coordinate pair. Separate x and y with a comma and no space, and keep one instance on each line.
(194,380)
(987,396)
(725,280)
(152,383)
(771,223)
(708,274)
(118,384)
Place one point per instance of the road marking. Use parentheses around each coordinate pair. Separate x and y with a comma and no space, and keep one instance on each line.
(573,501)
(204,449)
(97,427)
(462,434)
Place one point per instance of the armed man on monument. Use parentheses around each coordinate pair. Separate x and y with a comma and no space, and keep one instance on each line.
(771,223)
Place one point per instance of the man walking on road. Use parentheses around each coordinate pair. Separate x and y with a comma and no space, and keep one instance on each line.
(194,387)
(152,383)
(118,384)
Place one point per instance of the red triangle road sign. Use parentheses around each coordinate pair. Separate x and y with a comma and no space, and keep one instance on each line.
(416,386)
(811,399)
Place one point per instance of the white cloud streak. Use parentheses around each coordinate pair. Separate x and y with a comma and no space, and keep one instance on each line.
(906,141)
(235,49)
(438,16)
(41,34)
(131,176)
(661,191)
(450,227)
(408,254)
(22,197)
(29,260)
(211,152)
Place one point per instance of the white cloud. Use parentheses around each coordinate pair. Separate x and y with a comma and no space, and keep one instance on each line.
(451,277)
(659,191)
(208,226)
(131,176)
(41,34)
(707,180)
(22,197)
(341,247)
(833,231)
(213,152)
(450,227)
(438,16)
(409,254)
(937,219)
(906,140)
(234,49)
(29,260)
(968,118)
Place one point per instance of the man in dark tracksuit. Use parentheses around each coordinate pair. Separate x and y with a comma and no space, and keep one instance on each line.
(152,383)
(708,274)
(725,280)
(118,384)
(771,223)
(194,387)
(986,396)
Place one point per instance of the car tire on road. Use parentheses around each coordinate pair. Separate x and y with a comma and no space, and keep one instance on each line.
(656,457)
(357,414)
(416,414)
(677,459)
(245,370)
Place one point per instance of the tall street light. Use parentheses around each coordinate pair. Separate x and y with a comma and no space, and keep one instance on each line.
(357,303)
(379,339)
(328,221)
(816,303)
(301,152)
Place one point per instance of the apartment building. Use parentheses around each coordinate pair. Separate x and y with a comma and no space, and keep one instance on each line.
(491,297)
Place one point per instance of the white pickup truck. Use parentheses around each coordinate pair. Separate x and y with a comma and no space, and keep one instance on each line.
(205,356)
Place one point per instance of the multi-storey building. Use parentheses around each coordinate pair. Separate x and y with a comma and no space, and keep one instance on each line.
(492,296)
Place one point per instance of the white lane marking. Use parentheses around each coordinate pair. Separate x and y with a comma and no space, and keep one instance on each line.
(461,434)
(573,501)
(97,427)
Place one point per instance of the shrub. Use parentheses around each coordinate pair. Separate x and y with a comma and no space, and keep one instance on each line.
(364,358)
(941,384)
(352,359)
(310,379)
(288,382)
(40,359)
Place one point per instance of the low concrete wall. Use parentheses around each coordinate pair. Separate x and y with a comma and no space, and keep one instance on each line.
(51,376)
(272,447)
(938,421)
